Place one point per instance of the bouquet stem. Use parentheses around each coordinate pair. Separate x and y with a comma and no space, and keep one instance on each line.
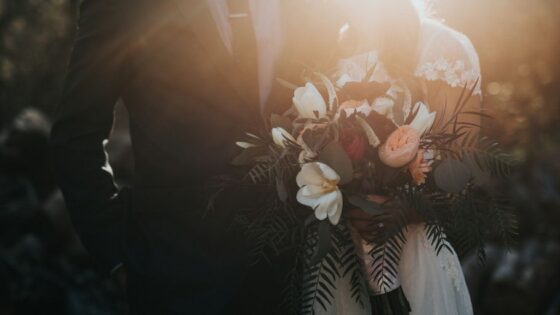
(391,303)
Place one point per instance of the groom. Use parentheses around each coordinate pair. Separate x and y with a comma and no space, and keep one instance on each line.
(193,74)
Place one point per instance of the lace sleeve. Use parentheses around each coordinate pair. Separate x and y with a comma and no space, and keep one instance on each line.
(449,56)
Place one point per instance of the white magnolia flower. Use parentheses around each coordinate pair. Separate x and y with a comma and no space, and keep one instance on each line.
(384,106)
(319,190)
(280,136)
(341,82)
(308,100)
(423,120)
(352,107)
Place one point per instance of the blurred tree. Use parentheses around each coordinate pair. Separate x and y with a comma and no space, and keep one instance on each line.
(35,36)
(518,45)
(517,41)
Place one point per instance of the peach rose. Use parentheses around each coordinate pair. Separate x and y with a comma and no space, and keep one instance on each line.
(400,148)
(419,168)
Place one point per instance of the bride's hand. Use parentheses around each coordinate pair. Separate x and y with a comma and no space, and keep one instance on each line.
(369,225)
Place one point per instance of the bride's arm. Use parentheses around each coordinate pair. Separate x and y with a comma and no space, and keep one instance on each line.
(448,61)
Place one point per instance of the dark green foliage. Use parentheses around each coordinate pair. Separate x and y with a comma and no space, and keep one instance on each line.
(366,205)
(271,165)
(248,156)
(389,241)
(486,158)
(451,175)
(438,238)
(349,261)
(464,222)
(334,156)
(319,278)
(271,230)
(479,220)
(386,257)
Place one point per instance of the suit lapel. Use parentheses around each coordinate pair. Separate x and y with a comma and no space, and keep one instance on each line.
(290,65)
(311,39)
(197,16)
(279,97)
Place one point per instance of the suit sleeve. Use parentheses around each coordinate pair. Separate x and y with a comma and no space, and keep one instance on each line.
(82,124)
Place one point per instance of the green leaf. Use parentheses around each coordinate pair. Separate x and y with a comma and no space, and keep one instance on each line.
(452,176)
(330,89)
(324,244)
(480,176)
(248,156)
(334,156)
(370,134)
(286,84)
(280,121)
(315,139)
(365,204)
(281,190)
(258,173)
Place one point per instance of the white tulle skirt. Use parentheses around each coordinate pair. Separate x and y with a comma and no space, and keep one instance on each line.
(433,284)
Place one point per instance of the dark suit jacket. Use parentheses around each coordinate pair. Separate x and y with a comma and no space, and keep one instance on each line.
(187,105)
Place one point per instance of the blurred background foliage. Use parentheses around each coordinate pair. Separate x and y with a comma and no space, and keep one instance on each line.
(35,39)
(44,270)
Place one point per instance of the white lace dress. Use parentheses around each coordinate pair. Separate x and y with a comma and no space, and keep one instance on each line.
(433,284)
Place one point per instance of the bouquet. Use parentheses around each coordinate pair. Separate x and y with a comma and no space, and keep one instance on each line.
(340,144)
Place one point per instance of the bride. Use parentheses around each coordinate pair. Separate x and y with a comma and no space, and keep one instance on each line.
(425,60)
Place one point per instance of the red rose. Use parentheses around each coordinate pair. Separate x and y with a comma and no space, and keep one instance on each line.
(354,143)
